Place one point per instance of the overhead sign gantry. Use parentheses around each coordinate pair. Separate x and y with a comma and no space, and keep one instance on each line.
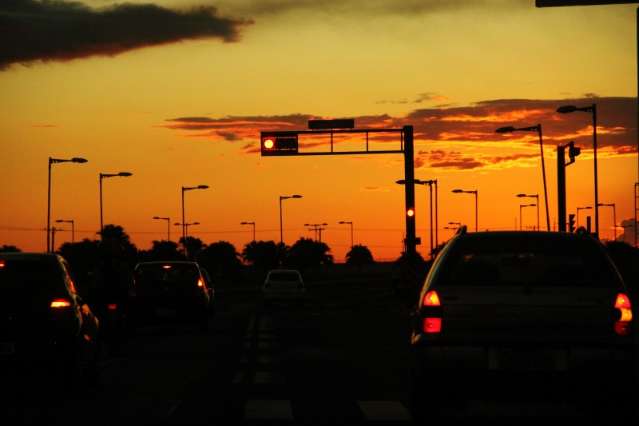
(286,143)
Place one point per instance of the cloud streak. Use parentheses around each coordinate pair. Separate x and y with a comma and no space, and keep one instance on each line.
(33,30)
(470,128)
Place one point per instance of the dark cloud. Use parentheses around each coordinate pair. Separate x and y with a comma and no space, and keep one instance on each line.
(461,164)
(229,136)
(367,7)
(33,30)
(617,129)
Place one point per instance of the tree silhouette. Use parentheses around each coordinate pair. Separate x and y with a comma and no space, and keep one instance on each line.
(193,246)
(9,249)
(306,253)
(359,255)
(116,242)
(162,250)
(264,255)
(220,259)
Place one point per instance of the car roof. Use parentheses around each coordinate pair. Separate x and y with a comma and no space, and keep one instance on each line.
(168,262)
(538,235)
(28,255)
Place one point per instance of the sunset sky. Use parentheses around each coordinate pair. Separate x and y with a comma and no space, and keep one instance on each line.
(177,91)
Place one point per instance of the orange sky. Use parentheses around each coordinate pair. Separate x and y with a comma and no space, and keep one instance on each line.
(184,106)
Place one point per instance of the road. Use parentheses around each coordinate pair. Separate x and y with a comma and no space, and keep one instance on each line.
(343,359)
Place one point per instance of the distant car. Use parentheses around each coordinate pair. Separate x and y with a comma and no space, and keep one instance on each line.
(45,326)
(283,286)
(508,311)
(173,289)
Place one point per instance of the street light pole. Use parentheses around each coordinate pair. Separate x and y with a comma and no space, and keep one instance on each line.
(250,223)
(168,226)
(72,222)
(614,218)
(537,128)
(184,189)
(55,161)
(284,197)
(104,176)
(476,193)
(521,217)
(579,209)
(346,222)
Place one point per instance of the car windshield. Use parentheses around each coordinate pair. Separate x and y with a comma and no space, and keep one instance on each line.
(284,276)
(30,275)
(167,272)
(527,259)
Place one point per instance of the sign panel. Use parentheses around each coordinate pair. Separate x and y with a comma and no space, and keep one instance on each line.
(278,143)
(552,3)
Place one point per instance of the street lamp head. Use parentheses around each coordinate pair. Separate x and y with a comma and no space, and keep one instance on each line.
(195,223)
(521,195)
(400,182)
(324,224)
(296,196)
(457,191)
(125,174)
(79,160)
(202,187)
(177,224)
(506,129)
(565,109)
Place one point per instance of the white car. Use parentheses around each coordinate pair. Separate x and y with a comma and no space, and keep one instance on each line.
(283,285)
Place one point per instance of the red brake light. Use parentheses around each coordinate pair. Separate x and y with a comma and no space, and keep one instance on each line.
(2,264)
(112,306)
(60,304)
(432,325)
(200,283)
(166,266)
(431,298)
(622,302)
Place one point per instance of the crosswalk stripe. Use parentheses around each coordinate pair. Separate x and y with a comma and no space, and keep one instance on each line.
(268,410)
(384,411)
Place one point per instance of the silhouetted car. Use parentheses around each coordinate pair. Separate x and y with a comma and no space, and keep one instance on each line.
(283,286)
(173,289)
(511,312)
(46,331)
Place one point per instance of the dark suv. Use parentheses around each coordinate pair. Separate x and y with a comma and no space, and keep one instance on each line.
(173,289)
(506,313)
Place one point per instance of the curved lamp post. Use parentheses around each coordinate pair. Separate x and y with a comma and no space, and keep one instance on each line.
(55,161)
(104,176)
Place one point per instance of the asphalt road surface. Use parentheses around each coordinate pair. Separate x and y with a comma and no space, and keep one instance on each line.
(342,359)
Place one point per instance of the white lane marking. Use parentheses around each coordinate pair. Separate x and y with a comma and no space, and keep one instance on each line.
(174,406)
(384,410)
(267,377)
(268,410)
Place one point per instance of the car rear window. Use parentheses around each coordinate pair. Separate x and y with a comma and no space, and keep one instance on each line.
(173,273)
(284,276)
(528,260)
(30,278)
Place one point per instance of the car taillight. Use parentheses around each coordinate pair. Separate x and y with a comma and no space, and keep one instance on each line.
(60,304)
(432,323)
(200,283)
(431,298)
(622,326)
(112,306)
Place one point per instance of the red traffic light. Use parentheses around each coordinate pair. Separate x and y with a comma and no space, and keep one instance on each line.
(279,143)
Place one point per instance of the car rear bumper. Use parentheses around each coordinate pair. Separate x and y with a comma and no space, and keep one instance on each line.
(510,366)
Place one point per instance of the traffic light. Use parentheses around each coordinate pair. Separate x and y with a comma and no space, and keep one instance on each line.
(410,212)
(571,223)
(278,143)
(573,151)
